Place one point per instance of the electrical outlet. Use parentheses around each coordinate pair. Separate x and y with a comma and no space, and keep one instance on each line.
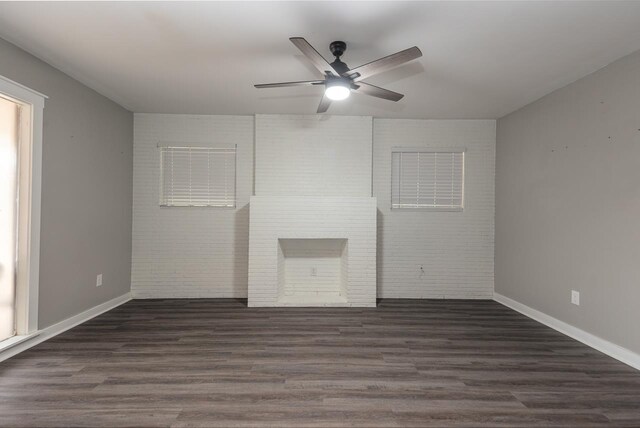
(575,297)
(314,271)
(99,280)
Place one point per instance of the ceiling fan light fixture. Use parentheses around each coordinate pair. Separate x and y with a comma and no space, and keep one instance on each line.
(338,90)
(339,80)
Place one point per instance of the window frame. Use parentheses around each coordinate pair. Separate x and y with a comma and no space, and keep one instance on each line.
(29,208)
(182,145)
(428,149)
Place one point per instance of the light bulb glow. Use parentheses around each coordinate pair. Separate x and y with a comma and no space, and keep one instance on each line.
(337,92)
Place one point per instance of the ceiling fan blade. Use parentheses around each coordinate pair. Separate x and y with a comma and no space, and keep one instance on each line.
(318,60)
(374,91)
(325,102)
(284,84)
(384,64)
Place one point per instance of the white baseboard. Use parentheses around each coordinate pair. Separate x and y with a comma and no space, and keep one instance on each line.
(611,349)
(185,294)
(615,351)
(62,326)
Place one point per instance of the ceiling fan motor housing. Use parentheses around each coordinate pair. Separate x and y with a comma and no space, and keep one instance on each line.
(337,48)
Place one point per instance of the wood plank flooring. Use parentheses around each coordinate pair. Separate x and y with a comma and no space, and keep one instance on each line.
(413,363)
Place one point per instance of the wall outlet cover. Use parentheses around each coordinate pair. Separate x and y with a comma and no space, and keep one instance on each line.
(575,297)
(99,280)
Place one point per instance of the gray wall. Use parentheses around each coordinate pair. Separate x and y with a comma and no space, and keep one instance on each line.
(86,189)
(568,203)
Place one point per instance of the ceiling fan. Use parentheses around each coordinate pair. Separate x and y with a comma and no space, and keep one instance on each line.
(340,80)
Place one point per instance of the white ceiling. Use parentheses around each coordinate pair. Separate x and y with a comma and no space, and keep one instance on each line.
(481,59)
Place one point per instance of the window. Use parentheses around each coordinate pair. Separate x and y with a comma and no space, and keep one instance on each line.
(9,139)
(198,176)
(21,113)
(431,180)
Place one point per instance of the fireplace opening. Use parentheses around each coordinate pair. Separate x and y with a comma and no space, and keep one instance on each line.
(312,271)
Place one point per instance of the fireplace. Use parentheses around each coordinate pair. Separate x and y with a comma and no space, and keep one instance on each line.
(309,251)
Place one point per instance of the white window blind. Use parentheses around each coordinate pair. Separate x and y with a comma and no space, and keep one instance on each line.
(427,180)
(198,176)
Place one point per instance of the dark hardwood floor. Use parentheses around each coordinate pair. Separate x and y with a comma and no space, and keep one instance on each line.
(406,363)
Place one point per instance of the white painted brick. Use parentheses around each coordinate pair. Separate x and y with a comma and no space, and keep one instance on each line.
(274,217)
(188,251)
(203,252)
(455,249)
(313,155)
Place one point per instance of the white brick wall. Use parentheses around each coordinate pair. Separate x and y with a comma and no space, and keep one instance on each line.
(352,218)
(183,251)
(455,249)
(313,155)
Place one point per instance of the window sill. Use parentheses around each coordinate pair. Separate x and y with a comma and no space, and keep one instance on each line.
(227,207)
(432,209)
(16,340)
